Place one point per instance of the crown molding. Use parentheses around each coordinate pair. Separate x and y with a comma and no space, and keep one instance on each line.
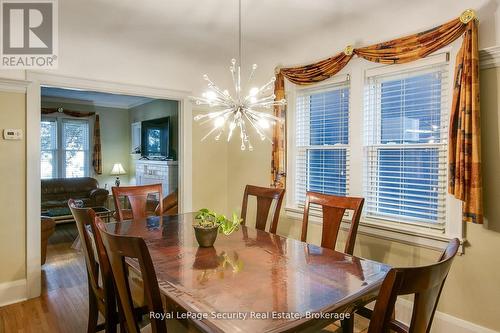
(489,57)
(54,99)
(11,85)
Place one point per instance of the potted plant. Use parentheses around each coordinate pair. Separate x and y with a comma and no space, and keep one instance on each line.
(210,223)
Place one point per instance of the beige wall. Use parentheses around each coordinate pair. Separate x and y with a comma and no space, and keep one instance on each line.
(247,167)
(490,104)
(472,291)
(210,171)
(12,189)
(115,138)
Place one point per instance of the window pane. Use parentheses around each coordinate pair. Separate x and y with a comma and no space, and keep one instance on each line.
(329,117)
(76,145)
(75,135)
(327,171)
(406,153)
(75,163)
(411,109)
(322,136)
(408,183)
(48,145)
(48,164)
(48,135)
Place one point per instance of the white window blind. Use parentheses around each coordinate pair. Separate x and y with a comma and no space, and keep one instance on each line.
(322,139)
(406,125)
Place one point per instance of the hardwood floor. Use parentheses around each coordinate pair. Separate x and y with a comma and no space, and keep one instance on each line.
(63,306)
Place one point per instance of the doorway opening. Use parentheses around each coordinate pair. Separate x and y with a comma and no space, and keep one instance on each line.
(91,141)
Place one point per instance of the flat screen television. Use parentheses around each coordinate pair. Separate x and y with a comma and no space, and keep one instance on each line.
(155,138)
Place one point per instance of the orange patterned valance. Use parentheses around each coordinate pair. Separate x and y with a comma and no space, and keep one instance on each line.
(465,180)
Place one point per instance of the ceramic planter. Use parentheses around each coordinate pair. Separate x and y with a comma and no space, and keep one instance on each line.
(206,236)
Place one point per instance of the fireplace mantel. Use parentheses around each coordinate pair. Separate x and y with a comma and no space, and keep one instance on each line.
(157,172)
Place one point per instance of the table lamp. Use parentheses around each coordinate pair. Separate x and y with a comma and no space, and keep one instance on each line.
(116,171)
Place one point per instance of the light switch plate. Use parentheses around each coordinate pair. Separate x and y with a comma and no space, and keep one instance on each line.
(12,134)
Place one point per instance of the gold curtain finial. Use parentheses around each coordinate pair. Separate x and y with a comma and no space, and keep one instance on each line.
(60,110)
(467,16)
(348,50)
(277,70)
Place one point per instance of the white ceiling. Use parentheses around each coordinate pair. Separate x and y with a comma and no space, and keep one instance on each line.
(204,28)
(83,97)
(172,43)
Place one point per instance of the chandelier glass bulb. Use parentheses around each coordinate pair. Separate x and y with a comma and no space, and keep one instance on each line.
(237,111)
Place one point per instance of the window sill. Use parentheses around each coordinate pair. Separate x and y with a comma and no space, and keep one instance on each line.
(407,234)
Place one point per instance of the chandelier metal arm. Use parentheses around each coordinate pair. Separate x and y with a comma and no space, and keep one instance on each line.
(235,110)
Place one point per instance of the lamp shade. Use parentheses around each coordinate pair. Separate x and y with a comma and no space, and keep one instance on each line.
(117,169)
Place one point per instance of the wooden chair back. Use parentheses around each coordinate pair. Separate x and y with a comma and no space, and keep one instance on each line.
(120,248)
(104,293)
(170,204)
(138,199)
(425,282)
(333,208)
(265,197)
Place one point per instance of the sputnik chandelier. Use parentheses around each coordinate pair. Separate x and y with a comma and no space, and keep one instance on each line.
(231,112)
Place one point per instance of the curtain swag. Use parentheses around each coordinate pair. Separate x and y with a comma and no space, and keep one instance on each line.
(464,160)
(96,152)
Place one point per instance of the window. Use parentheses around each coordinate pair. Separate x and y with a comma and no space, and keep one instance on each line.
(48,141)
(406,128)
(64,148)
(322,139)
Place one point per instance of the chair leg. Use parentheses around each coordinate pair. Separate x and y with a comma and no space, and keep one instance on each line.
(111,320)
(347,324)
(93,312)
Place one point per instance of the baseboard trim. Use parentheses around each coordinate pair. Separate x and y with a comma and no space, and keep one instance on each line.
(12,292)
(443,322)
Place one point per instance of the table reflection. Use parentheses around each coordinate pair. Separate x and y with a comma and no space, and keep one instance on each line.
(216,265)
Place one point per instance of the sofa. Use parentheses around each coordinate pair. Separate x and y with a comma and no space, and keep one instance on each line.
(57,191)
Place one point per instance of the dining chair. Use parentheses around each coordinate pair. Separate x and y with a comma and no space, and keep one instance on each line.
(265,197)
(140,199)
(425,282)
(333,208)
(119,248)
(170,205)
(102,297)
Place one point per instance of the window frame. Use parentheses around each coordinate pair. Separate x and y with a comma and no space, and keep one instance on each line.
(60,152)
(373,145)
(395,231)
(341,82)
(293,92)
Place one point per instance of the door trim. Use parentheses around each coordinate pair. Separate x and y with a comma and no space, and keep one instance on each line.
(33,195)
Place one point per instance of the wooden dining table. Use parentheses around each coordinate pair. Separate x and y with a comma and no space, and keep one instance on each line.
(252,280)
